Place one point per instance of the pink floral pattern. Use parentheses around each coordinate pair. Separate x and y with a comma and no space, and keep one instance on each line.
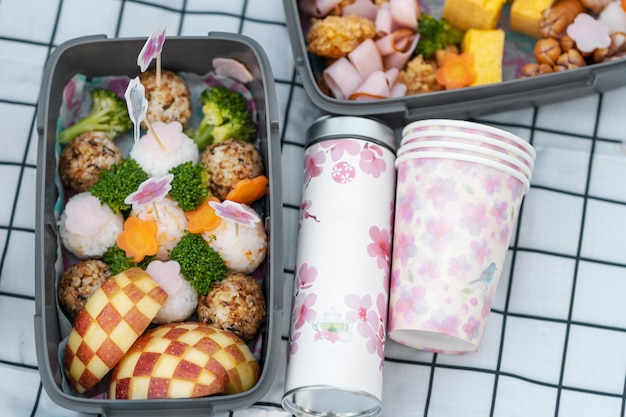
(453,221)
(313,165)
(380,248)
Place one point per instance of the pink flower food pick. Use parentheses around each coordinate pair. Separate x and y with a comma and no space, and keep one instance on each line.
(150,191)
(152,48)
(229,210)
(589,33)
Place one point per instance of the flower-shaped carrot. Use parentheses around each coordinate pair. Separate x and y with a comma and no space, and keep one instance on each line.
(202,219)
(247,191)
(138,239)
(456,71)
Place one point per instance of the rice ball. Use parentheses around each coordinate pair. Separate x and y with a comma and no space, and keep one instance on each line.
(170,220)
(182,298)
(235,303)
(229,162)
(170,101)
(171,147)
(78,283)
(88,227)
(242,247)
(83,159)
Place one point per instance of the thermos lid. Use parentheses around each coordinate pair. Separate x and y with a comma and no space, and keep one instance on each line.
(335,127)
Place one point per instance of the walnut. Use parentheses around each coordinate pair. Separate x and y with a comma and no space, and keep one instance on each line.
(570,60)
(547,51)
(567,43)
(557,18)
(532,69)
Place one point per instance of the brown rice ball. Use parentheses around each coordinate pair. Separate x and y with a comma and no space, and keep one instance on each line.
(85,157)
(79,282)
(229,162)
(235,303)
(168,102)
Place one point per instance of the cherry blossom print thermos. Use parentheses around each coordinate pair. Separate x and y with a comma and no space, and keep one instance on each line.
(340,294)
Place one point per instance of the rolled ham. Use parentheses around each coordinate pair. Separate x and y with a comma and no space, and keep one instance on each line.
(232,68)
(383,20)
(400,58)
(398,41)
(398,90)
(342,78)
(404,13)
(374,86)
(366,58)
(317,8)
(363,8)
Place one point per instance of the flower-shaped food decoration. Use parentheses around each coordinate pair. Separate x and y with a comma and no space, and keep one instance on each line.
(151,190)
(589,33)
(229,210)
(166,275)
(85,216)
(138,239)
(151,48)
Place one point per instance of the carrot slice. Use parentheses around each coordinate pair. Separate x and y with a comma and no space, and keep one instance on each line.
(248,190)
(203,218)
(456,71)
(624,5)
(138,239)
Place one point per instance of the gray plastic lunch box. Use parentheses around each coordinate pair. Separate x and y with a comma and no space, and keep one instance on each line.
(97,56)
(512,93)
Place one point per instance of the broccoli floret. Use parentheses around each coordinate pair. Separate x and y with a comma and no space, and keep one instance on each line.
(225,116)
(117,182)
(200,264)
(117,260)
(108,114)
(435,35)
(190,185)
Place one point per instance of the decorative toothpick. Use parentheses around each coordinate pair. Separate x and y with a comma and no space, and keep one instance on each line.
(152,49)
(138,108)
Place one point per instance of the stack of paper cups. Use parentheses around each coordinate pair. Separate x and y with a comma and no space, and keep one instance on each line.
(340,298)
(459,189)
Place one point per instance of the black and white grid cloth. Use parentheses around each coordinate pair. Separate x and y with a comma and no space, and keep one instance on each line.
(556,339)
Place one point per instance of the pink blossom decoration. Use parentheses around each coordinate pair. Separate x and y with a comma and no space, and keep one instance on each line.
(313,165)
(589,33)
(471,328)
(230,210)
(380,248)
(442,191)
(405,248)
(340,146)
(151,48)
(305,277)
(372,162)
(150,191)
(303,310)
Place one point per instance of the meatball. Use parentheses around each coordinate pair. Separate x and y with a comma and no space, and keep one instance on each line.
(229,162)
(79,282)
(85,157)
(168,102)
(236,304)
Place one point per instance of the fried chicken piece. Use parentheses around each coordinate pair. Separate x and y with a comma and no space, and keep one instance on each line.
(336,36)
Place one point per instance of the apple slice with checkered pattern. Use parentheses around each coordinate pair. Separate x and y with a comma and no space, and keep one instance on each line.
(184,360)
(113,318)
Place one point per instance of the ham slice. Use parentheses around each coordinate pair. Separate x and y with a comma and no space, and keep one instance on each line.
(398,90)
(363,8)
(342,78)
(400,58)
(383,20)
(397,41)
(317,8)
(366,58)
(375,86)
(404,13)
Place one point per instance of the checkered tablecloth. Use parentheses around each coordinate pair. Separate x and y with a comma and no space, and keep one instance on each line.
(556,339)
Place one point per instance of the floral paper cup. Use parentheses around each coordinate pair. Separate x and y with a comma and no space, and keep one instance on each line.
(473,128)
(470,139)
(340,298)
(453,223)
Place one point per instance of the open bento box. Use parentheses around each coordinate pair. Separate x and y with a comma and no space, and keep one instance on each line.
(91,59)
(512,93)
